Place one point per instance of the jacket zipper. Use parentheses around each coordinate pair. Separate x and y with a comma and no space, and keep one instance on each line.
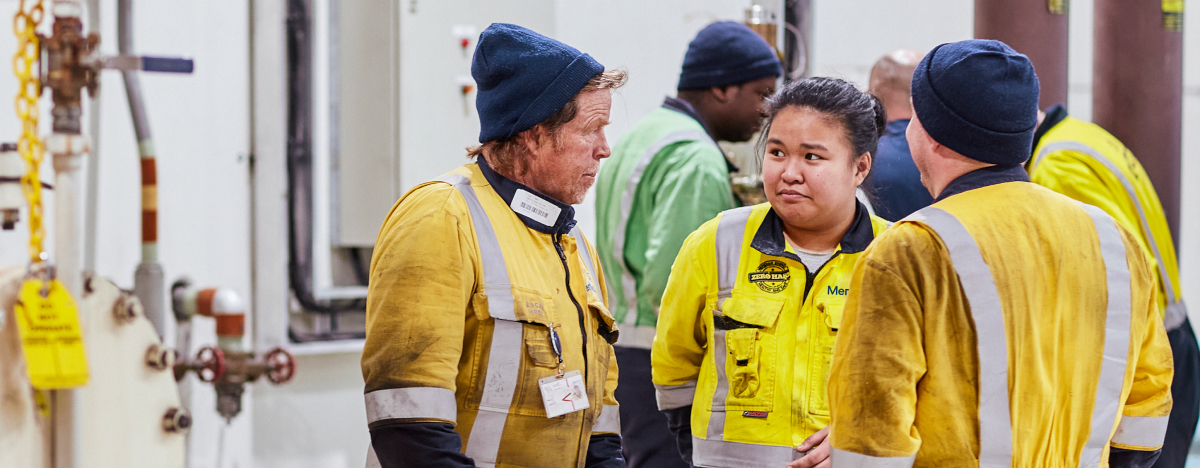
(562,255)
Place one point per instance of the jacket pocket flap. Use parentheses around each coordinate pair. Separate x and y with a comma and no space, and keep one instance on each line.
(758,311)
(528,306)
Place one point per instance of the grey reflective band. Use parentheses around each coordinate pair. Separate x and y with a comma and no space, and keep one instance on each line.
(1147,432)
(585,251)
(628,284)
(609,420)
(841,458)
(504,356)
(496,285)
(411,403)
(670,397)
(730,230)
(1116,336)
(995,420)
(1175,314)
(722,454)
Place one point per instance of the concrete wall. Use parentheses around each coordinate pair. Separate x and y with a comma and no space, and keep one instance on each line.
(203,123)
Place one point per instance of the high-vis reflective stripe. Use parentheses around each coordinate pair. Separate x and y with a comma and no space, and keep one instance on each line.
(722,454)
(496,285)
(1116,336)
(1176,311)
(1146,432)
(841,458)
(628,284)
(586,253)
(411,403)
(675,396)
(504,356)
(995,420)
(609,420)
(730,230)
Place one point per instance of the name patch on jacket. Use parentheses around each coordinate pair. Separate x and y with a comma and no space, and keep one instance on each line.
(754,414)
(836,291)
(771,276)
(535,207)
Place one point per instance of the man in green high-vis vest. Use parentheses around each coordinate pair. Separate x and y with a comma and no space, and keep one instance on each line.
(665,178)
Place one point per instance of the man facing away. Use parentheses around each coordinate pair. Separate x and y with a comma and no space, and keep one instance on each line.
(486,305)
(1005,325)
(894,184)
(666,177)
(1083,161)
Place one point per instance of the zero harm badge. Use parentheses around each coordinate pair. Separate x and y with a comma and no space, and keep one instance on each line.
(772,276)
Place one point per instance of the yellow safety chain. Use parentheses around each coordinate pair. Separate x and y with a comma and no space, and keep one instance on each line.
(25,66)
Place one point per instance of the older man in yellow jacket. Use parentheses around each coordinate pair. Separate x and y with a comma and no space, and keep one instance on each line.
(488,339)
(1083,161)
(1005,325)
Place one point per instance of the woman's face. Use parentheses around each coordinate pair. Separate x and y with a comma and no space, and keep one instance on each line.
(809,170)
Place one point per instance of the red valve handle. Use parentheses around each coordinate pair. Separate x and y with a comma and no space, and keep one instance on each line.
(281,366)
(211,364)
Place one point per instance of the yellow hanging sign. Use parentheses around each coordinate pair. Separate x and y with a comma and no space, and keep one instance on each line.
(1172,15)
(48,322)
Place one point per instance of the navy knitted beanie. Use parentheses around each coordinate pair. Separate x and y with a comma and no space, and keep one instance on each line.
(979,98)
(727,53)
(524,78)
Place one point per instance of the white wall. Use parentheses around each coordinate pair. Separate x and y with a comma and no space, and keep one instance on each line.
(202,127)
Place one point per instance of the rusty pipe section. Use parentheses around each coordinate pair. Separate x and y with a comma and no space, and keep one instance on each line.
(1034,28)
(1137,89)
(148,283)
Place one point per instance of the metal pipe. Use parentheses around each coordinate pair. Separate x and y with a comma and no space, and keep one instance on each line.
(1137,90)
(90,221)
(68,152)
(1033,29)
(148,282)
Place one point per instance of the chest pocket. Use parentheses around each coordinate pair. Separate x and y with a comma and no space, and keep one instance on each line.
(744,332)
(521,347)
(831,305)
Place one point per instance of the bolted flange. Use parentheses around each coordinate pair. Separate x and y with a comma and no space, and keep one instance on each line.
(177,420)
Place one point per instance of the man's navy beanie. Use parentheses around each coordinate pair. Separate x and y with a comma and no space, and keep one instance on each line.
(727,53)
(979,98)
(524,78)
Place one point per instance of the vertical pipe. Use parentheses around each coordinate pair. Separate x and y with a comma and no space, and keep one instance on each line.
(148,282)
(93,168)
(1137,90)
(68,152)
(1030,27)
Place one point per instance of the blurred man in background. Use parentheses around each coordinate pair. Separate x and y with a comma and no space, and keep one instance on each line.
(894,184)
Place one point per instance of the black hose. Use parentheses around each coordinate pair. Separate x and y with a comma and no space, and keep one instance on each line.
(299,165)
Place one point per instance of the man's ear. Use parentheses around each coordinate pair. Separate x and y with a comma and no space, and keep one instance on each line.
(535,139)
(723,94)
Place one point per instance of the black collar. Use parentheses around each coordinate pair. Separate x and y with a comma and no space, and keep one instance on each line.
(1054,115)
(685,108)
(770,240)
(980,178)
(507,189)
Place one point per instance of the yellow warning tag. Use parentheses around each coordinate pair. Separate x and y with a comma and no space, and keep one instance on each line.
(50,336)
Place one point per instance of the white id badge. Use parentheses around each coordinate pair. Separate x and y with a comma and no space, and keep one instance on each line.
(565,394)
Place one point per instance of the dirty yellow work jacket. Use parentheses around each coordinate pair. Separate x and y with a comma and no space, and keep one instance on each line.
(464,291)
(746,334)
(1004,325)
(1083,161)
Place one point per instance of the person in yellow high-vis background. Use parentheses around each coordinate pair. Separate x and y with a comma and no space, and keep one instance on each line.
(489,342)
(754,300)
(1005,325)
(1083,161)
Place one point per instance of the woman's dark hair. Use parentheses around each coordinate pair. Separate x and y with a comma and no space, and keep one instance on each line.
(860,113)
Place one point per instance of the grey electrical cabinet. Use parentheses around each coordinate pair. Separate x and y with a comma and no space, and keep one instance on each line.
(401,99)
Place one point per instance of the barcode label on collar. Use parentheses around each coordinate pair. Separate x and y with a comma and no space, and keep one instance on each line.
(535,207)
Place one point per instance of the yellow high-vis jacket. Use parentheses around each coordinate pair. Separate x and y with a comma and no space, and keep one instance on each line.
(1083,161)
(746,334)
(1004,325)
(464,292)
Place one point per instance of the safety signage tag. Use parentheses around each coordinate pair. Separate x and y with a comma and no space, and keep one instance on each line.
(48,322)
(563,394)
